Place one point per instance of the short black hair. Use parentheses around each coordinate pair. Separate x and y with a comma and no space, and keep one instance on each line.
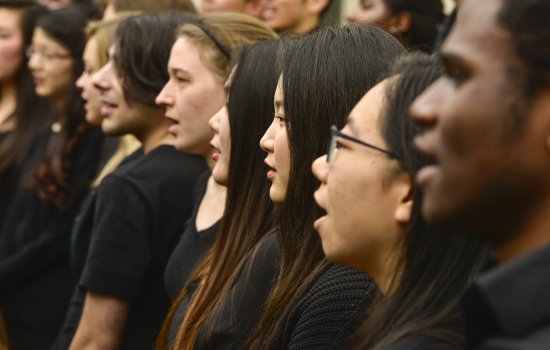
(527,23)
(142,49)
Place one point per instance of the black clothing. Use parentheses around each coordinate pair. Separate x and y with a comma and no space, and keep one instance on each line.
(192,244)
(420,344)
(35,282)
(508,307)
(331,310)
(81,233)
(245,301)
(7,182)
(141,209)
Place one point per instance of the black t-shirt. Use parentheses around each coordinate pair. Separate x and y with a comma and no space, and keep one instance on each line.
(192,244)
(141,209)
(244,304)
(35,282)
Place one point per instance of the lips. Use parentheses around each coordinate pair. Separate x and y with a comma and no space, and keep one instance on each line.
(430,170)
(268,13)
(271,172)
(216,154)
(38,81)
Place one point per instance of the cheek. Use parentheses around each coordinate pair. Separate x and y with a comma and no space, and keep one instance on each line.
(11,57)
(281,152)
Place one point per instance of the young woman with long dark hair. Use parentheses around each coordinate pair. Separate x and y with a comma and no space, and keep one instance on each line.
(22,112)
(314,303)
(373,220)
(34,275)
(226,305)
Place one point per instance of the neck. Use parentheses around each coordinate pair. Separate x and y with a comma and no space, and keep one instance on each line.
(383,269)
(535,234)
(307,25)
(8,100)
(157,133)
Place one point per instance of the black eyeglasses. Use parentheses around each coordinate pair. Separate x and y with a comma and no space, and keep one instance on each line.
(333,143)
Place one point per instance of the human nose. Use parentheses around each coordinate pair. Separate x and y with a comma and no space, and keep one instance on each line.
(266,142)
(99,79)
(319,167)
(165,98)
(424,109)
(214,122)
(81,80)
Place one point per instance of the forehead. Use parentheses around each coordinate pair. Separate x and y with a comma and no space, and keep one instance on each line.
(477,35)
(186,55)
(41,38)
(365,116)
(9,18)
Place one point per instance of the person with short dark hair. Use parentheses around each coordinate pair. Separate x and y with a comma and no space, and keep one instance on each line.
(142,206)
(414,22)
(300,16)
(487,132)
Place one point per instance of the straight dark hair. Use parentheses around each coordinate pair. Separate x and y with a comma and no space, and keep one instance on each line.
(31,111)
(248,212)
(324,75)
(142,45)
(436,266)
(51,178)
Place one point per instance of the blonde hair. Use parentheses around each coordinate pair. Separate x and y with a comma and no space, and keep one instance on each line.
(127,145)
(231,30)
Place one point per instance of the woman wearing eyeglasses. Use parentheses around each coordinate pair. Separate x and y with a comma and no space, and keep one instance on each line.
(373,220)
(35,282)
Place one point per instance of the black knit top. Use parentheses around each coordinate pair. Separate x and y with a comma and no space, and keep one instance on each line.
(330,311)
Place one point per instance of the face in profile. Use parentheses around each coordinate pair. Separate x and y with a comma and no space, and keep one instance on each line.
(11,43)
(371,12)
(248,7)
(363,191)
(119,117)
(275,143)
(88,91)
(285,15)
(221,143)
(191,97)
(54,4)
(485,141)
(51,65)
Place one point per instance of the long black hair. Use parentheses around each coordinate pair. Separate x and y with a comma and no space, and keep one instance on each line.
(51,179)
(324,75)
(31,111)
(436,267)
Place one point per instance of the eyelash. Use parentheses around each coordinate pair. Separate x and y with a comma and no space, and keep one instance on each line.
(455,75)
(281,119)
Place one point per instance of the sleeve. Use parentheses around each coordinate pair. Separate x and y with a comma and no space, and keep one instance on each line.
(119,253)
(331,311)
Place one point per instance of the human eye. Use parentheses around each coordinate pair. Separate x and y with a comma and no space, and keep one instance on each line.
(454,72)
(281,119)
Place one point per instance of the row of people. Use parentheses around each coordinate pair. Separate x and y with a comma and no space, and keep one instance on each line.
(249,269)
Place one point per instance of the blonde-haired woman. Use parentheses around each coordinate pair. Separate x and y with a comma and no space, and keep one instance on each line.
(199,65)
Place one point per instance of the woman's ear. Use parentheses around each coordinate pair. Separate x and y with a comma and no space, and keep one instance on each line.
(400,23)
(403,210)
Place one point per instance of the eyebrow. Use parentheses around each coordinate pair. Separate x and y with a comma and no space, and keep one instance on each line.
(174,70)
(351,123)
(449,58)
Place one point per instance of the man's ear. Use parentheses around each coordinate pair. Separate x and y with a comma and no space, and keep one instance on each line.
(400,23)
(316,7)
(254,8)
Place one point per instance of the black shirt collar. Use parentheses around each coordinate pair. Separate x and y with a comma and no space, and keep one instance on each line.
(511,299)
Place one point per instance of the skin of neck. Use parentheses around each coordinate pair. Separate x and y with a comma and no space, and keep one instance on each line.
(8,98)
(156,133)
(308,24)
